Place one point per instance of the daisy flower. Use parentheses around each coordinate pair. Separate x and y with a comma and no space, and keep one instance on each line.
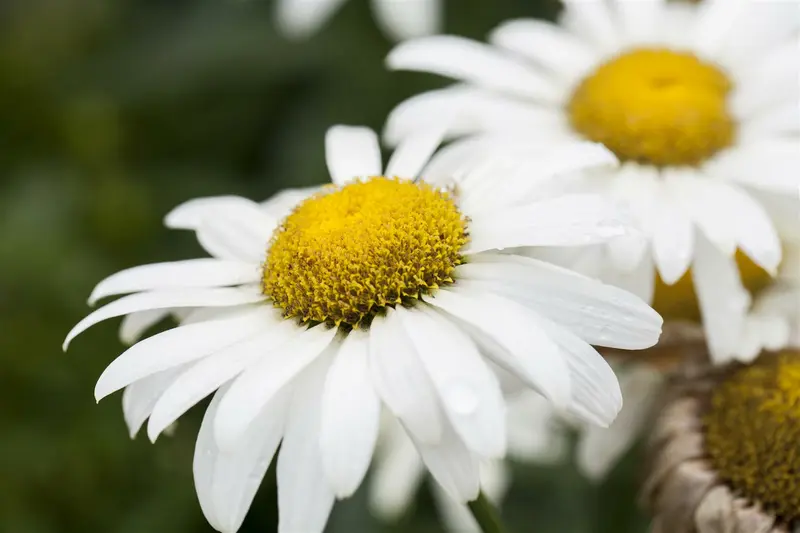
(535,435)
(399,19)
(699,102)
(724,450)
(378,292)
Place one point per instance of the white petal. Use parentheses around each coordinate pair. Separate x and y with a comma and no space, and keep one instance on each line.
(259,383)
(178,346)
(639,281)
(239,233)
(678,25)
(467,110)
(748,347)
(774,80)
(227,482)
(527,175)
(413,153)
(780,120)
(596,395)
(452,465)
(599,448)
(627,251)
(495,480)
(593,21)
(474,62)
(755,233)
(757,31)
(350,416)
(456,516)
(352,152)
(279,205)
(640,20)
(176,274)
(134,325)
(190,214)
(534,433)
(304,497)
(638,189)
(722,297)
(397,475)
(518,343)
(469,392)
(140,396)
(301,18)
(144,301)
(673,241)
(548,45)
(566,221)
(409,18)
(401,380)
(204,462)
(783,210)
(695,194)
(600,314)
(769,166)
(207,375)
(714,21)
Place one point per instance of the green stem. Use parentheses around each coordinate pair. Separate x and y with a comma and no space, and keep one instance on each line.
(486,515)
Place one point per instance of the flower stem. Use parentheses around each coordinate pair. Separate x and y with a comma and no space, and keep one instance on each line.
(486,515)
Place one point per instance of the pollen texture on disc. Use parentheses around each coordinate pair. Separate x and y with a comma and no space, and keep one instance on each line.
(347,252)
(752,432)
(655,106)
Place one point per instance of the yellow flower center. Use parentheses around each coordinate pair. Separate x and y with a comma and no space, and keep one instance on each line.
(655,106)
(752,432)
(346,253)
(679,301)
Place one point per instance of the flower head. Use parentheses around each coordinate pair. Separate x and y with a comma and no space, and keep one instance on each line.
(382,291)
(724,450)
(699,103)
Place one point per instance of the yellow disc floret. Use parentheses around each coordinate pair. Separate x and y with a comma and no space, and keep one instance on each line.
(655,106)
(679,300)
(347,252)
(752,432)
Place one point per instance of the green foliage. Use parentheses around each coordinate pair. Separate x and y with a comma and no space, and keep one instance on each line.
(113,112)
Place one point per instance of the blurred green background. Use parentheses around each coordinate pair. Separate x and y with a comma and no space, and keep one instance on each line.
(113,112)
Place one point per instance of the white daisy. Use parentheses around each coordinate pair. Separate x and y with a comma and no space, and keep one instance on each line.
(700,102)
(376,292)
(535,435)
(399,19)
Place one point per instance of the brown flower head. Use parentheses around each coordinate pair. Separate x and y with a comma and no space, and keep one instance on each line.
(725,450)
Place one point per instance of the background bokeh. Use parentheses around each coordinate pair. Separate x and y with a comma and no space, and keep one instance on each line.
(113,112)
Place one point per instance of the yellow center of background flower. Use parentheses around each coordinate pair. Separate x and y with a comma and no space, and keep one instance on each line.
(655,106)
(752,432)
(679,300)
(346,253)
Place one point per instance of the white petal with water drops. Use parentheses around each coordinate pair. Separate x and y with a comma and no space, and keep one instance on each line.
(401,380)
(469,393)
